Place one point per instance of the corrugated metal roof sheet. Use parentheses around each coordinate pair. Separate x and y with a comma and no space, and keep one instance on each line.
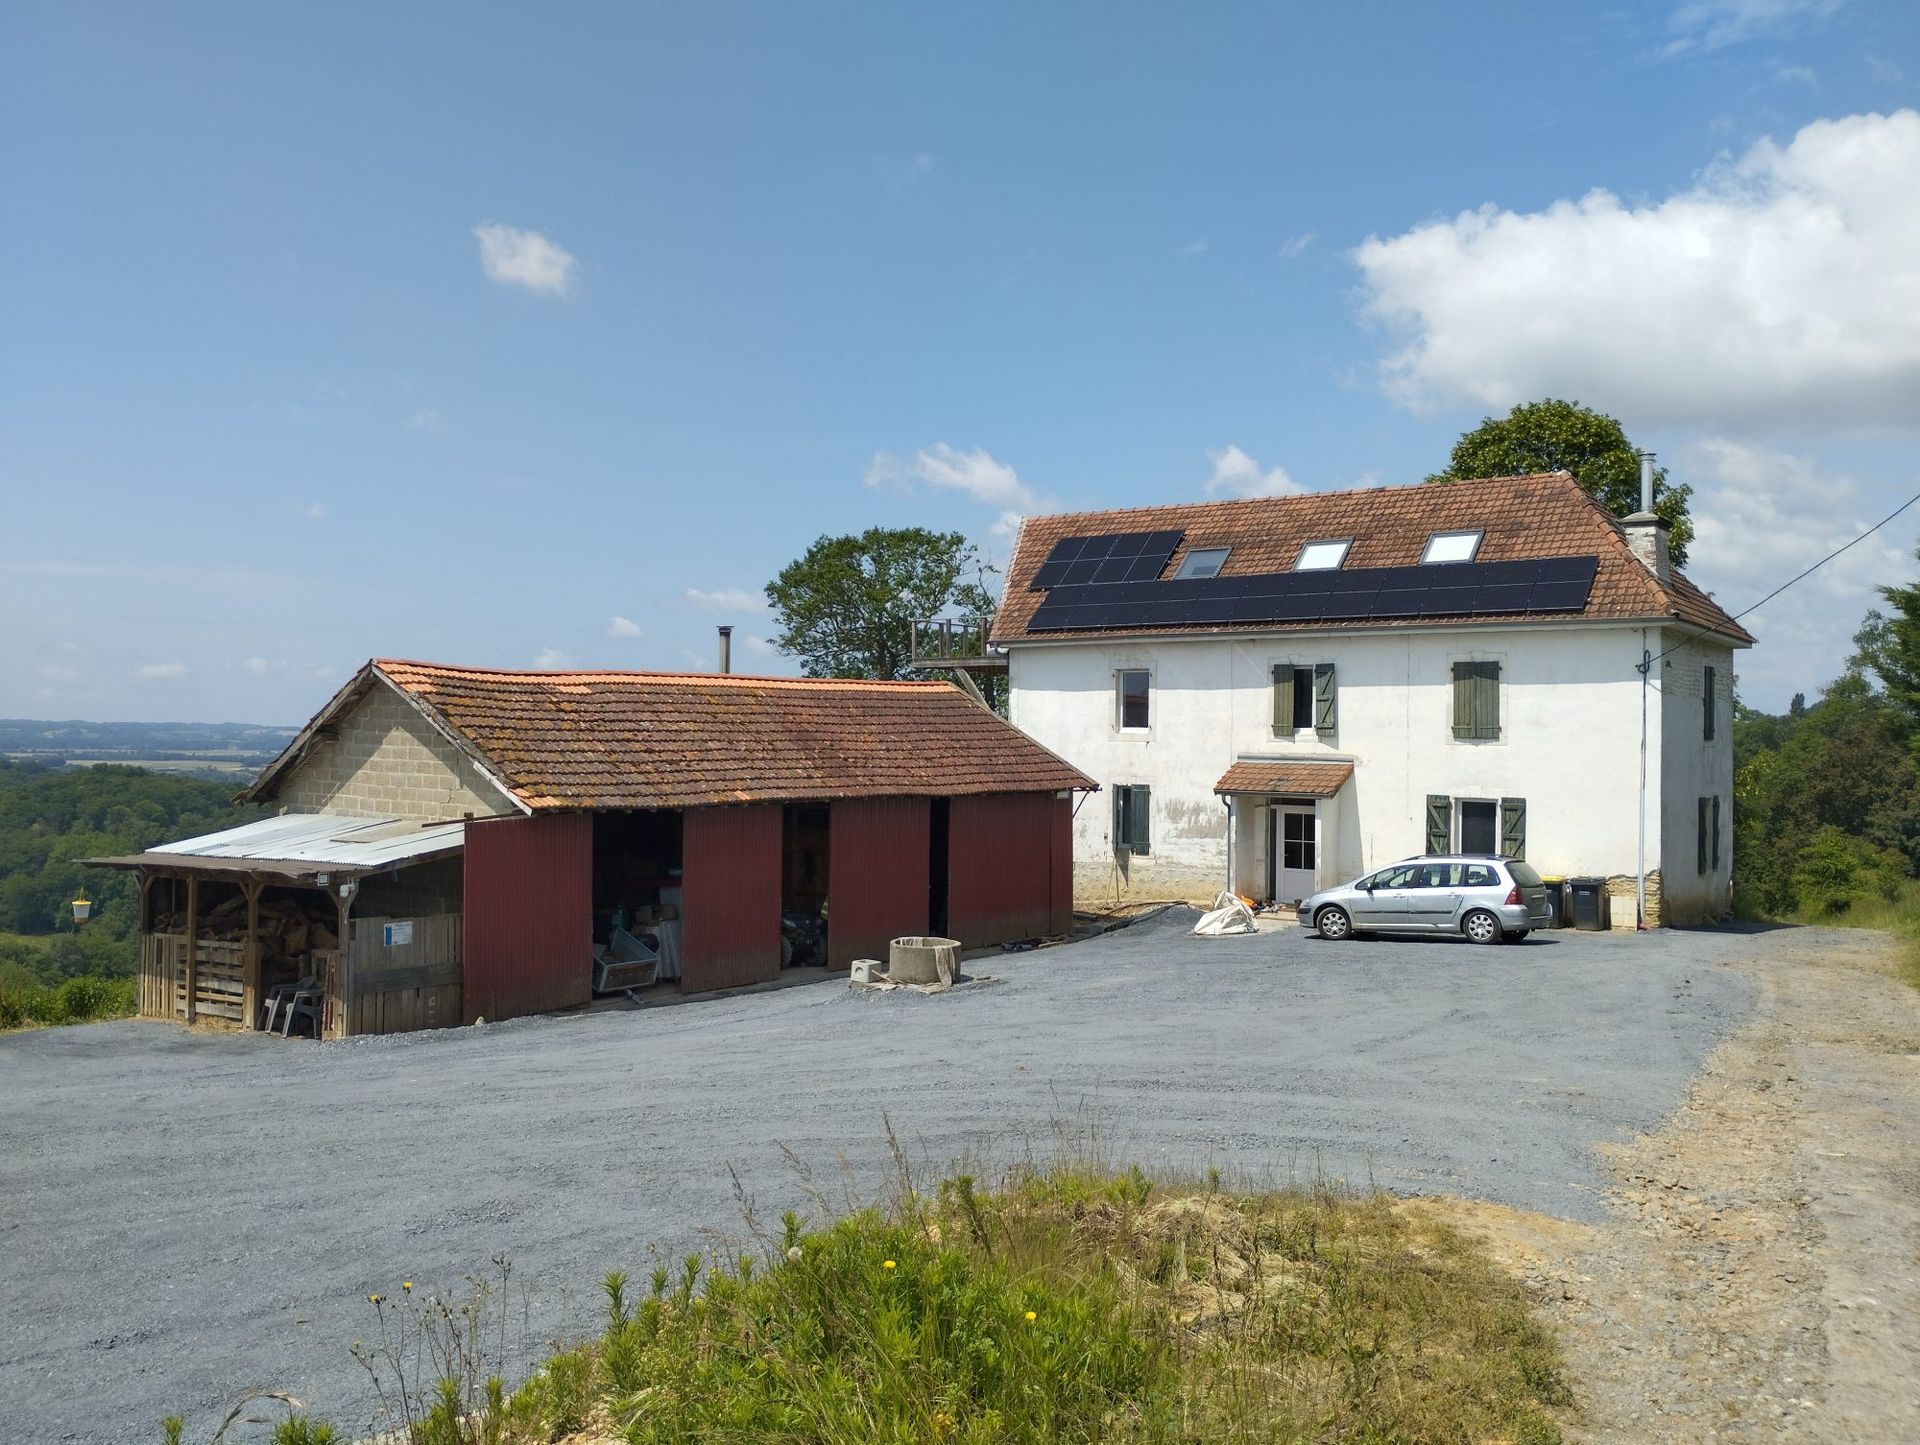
(328,838)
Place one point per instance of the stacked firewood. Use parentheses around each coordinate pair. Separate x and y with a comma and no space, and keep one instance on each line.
(288,927)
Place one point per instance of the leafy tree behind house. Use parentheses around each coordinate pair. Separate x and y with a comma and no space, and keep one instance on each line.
(846,607)
(1553,435)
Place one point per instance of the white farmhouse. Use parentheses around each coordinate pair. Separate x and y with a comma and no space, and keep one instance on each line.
(1282,693)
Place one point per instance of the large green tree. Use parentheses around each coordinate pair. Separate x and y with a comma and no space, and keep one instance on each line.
(847,606)
(1890,647)
(1553,435)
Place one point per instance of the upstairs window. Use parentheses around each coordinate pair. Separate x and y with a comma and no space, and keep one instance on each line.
(1451,547)
(1202,562)
(1303,697)
(1322,556)
(1134,688)
(1476,701)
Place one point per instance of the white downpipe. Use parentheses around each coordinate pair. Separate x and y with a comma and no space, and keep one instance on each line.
(1228,800)
(1645,668)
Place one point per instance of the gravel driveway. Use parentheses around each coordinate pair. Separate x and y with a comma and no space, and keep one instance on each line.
(187,1215)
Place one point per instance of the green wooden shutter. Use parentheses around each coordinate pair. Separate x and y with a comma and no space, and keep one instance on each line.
(1282,698)
(1439,822)
(1142,811)
(1324,715)
(1716,830)
(1513,827)
(1120,820)
(1476,699)
(1707,701)
(1701,856)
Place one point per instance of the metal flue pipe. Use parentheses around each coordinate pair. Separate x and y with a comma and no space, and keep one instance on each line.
(726,648)
(1646,481)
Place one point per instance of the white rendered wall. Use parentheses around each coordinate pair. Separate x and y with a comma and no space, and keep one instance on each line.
(1569,745)
(1693,768)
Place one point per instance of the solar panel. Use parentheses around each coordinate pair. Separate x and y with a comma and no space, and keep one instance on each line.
(1109,557)
(1458,589)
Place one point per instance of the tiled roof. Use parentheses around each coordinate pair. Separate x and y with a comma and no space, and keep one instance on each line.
(1544,515)
(1300,780)
(563,740)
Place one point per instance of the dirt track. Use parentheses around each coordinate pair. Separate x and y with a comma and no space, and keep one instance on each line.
(1758,1277)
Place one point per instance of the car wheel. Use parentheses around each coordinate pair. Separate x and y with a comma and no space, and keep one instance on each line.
(1481,926)
(1333,924)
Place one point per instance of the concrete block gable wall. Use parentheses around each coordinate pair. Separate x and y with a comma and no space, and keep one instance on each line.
(387,761)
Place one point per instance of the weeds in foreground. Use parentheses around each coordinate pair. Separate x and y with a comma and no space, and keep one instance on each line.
(1060,1305)
(80,999)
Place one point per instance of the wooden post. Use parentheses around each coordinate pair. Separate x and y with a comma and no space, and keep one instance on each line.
(193,944)
(250,956)
(342,1001)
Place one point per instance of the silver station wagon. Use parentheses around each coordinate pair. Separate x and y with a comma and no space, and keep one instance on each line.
(1486,897)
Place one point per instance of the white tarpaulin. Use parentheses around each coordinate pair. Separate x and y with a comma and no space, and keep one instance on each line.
(1229,916)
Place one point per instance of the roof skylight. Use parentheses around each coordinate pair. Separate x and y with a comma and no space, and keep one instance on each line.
(1322,556)
(1203,562)
(1451,547)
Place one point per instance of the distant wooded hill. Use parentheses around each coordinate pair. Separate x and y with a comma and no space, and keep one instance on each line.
(224,750)
(50,818)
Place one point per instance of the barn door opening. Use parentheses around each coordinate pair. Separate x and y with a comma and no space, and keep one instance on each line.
(805,832)
(937,867)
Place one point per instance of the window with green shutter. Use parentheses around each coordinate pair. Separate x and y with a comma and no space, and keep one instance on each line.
(1476,700)
(1324,715)
(1707,707)
(1705,827)
(1301,698)
(1132,810)
(1716,830)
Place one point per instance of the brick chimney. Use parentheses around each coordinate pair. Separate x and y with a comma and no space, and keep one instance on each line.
(1647,534)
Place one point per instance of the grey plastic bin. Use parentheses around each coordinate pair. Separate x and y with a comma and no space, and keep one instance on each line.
(1589,898)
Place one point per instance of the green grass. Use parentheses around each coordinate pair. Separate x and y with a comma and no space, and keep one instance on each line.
(1064,1305)
(1898,916)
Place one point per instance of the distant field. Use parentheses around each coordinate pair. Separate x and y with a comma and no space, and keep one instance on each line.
(224,766)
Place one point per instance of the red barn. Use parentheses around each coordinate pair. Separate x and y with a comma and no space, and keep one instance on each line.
(456,842)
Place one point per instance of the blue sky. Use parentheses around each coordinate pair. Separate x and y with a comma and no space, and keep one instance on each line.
(540,334)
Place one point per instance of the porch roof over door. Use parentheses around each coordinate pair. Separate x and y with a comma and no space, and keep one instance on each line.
(1294,778)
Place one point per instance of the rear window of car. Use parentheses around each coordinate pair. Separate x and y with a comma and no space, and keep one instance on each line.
(1523,873)
(1479,875)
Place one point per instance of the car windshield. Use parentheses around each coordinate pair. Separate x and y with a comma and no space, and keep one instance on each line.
(1523,873)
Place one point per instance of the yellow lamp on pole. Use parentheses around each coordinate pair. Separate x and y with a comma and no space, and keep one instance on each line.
(82,908)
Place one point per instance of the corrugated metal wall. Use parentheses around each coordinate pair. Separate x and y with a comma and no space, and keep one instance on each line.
(1004,854)
(876,875)
(529,915)
(730,928)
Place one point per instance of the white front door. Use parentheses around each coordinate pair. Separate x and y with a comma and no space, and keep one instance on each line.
(1293,849)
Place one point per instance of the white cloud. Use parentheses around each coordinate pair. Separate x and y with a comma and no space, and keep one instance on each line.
(310,511)
(1699,25)
(1781,289)
(258,666)
(727,599)
(622,627)
(162,672)
(1196,247)
(427,419)
(552,659)
(975,473)
(55,673)
(899,174)
(1235,474)
(1795,75)
(514,257)
(1294,247)
(1761,516)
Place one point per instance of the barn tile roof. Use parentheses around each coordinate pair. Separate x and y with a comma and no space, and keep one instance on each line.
(1301,779)
(1547,514)
(575,740)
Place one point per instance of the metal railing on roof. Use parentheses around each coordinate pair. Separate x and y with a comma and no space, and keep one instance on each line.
(954,643)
